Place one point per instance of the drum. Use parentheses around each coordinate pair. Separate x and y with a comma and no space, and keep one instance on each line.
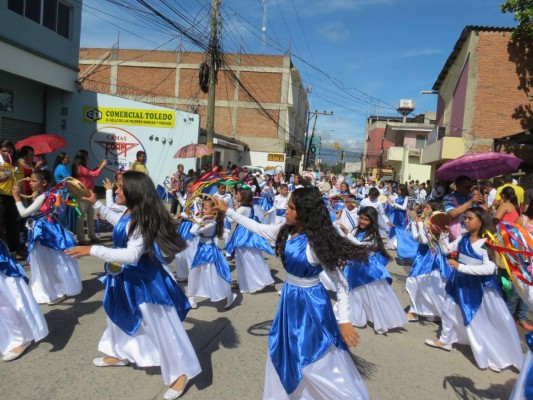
(439,222)
(326,187)
(75,188)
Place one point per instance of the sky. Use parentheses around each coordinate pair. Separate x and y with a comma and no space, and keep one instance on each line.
(356,57)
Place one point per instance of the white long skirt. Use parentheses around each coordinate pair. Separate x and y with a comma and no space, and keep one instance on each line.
(333,376)
(204,281)
(376,302)
(518,390)
(184,259)
(53,274)
(269,219)
(160,340)
(427,294)
(326,281)
(253,273)
(21,318)
(491,334)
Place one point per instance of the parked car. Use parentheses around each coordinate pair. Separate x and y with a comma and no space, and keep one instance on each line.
(253,170)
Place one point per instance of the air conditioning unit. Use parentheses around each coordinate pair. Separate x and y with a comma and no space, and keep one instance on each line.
(441,132)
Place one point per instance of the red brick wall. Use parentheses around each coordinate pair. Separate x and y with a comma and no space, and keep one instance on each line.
(497,96)
(160,81)
(374,147)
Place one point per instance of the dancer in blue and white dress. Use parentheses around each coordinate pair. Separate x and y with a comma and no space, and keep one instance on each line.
(398,215)
(54,276)
(209,275)
(372,201)
(143,302)
(253,273)
(268,194)
(184,258)
(429,272)
(308,357)
(279,208)
(474,312)
(22,320)
(371,297)
(226,197)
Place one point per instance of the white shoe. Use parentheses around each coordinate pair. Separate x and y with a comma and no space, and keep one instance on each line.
(433,343)
(381,331)
(60,299)
(194,305)
(172,394)
(495,369)
(11,355)
(231,298)
(100,362)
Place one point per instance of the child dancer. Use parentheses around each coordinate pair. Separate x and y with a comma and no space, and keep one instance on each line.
(426,281)
(348,218)
(209,275)
(371,297)
(22,319)
(280,204)
(474,312)
(54,276)
(315,362)
(372,201)
(184,258)
(143,303)
(398,215)
(247,247)
(226,198)
(267,202)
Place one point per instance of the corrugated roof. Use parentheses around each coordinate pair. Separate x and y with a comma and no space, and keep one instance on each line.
(459,45)
(402,126)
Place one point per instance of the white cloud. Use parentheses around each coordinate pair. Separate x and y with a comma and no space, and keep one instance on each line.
(419,53)
(334,31)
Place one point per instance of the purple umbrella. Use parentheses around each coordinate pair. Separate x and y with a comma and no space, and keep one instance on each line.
(485,165)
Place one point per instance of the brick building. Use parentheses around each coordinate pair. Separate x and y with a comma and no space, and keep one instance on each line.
(261,101)
(483,94)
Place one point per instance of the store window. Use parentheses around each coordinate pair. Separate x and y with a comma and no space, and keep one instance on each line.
(421,141)
(52,14)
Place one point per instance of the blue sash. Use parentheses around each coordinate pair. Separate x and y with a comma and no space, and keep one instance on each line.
(8,265)
(49,234)
(209,253)
(467,290)
(281,212)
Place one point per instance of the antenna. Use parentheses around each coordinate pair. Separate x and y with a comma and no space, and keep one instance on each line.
(264,27)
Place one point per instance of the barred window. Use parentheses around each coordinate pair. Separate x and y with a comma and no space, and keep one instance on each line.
(52,14)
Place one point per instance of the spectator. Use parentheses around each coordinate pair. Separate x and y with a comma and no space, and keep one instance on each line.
(508,210)
(422,194)
(177,184)
(139,164)
(437,193)
(456,203)
(490,193)
(60,169)
(508,181)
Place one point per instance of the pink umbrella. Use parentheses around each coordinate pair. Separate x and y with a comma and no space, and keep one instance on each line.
(194,150)
(43,143)
(476,166)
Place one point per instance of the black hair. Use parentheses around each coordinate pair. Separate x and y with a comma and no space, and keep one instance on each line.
(507,178)
(403,189)
(332,250)
(59,159)
(247,196)
(485,218)
(79,159)
(372,232)
(46,175)
(140,152)
(24,151)
(460,180)
(510,194)
(373,192)
(435,205)
(529,212)
(283,186)
(219,219)
(149,215)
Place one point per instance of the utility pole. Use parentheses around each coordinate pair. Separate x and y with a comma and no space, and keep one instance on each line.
(309,143)
(213,58)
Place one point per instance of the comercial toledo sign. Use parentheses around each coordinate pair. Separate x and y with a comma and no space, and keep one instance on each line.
(129,116)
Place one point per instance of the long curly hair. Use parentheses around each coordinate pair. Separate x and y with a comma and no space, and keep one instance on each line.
(149,215)
(372,232)
(332,249)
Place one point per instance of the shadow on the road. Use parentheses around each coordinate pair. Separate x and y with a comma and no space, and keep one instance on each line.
(465,388)
(261,328)
(220,333)
(365,368)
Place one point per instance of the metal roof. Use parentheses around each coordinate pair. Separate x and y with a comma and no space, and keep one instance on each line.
(410,127)
(459,44)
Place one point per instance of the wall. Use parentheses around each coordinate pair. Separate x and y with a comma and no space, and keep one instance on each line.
(28,98)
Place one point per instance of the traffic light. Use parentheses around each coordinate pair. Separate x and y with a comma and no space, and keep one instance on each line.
(336,146)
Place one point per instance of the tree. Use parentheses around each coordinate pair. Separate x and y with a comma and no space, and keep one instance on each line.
(523,13)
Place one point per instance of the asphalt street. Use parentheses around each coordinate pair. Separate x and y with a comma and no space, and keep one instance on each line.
(232,346)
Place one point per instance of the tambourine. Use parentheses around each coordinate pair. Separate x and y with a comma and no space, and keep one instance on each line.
(382,198)
(198,199)
(438,222)
(113,268)
(326,187)
(75,188)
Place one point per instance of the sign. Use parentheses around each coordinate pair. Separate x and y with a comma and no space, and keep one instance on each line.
(129,116)
(276,157)
(116,145)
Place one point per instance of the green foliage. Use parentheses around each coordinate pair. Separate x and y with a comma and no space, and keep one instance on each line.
(523,13)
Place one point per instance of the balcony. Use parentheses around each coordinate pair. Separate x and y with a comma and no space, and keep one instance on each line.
(395,154)
(447,148)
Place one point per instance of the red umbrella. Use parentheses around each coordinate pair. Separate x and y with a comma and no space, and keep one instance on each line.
(193,151)
(43,143)
(484,165)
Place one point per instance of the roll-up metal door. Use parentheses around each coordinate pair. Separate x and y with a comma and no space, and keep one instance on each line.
(16,129)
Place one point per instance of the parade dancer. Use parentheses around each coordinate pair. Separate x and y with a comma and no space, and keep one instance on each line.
(253,273)
(268,194)
(223,195)
(184,258)
(372,201)
(371,297)
(22,320)
(209,275)
(474,312)
(427,278)
(54,276)
(143,303)
(398,215)
(279,208)
(308,357)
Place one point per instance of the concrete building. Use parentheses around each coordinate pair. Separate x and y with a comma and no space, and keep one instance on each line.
(483,95)
(39,44)
(409,139)
(260,99)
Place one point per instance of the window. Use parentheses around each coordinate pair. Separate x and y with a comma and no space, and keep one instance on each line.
(52,14)
(420,141)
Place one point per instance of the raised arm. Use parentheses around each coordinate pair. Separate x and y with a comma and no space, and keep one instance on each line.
(269,232)
(130,255)
(32,209)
